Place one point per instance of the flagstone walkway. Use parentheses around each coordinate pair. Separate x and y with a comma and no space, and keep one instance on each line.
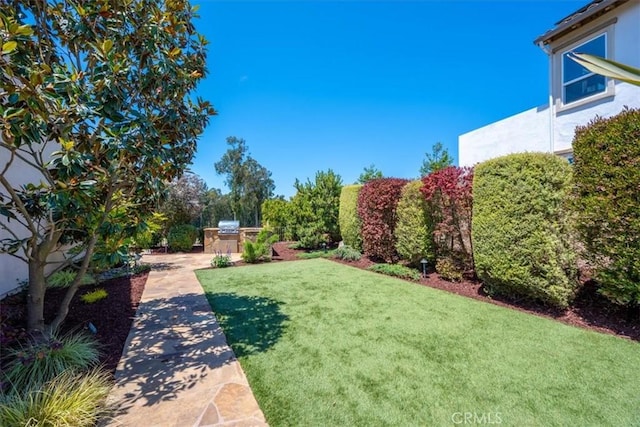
(176,368)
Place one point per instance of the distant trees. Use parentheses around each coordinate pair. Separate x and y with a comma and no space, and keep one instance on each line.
(250,183)
(437,160)
(185,200)
(369,173)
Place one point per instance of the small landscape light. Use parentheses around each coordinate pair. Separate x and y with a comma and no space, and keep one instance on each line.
(424,262)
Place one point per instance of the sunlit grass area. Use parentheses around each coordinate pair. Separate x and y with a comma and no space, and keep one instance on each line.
(327,344)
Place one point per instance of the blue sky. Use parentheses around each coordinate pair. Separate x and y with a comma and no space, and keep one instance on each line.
(313,85)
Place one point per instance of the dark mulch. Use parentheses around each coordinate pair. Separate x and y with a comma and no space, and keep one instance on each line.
(590,310)
(111,316)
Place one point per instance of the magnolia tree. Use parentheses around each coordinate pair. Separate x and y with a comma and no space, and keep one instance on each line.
(97,107)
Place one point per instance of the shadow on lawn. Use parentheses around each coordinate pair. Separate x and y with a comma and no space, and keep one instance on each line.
(251,324)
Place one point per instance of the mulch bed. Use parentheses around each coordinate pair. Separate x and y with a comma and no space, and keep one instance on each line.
(590,310)
(111,316)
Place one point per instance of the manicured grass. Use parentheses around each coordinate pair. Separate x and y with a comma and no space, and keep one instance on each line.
(327,344)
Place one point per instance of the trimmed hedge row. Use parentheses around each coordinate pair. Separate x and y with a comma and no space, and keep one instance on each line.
(521,227)
(414,228)
(348,217)
(377,204)
(607,202)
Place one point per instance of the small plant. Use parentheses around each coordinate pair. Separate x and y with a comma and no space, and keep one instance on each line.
(447,269)
(36,363)
(64,278)
(396,271)
(221,260)
(347,253)
(70,399)
(94,296)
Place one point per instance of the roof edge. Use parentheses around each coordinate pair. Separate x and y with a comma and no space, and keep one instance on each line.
(579,18)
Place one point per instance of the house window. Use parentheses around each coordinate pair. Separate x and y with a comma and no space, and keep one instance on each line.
(577,81)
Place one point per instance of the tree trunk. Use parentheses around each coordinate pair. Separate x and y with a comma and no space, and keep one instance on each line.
(35,297)
(63,310)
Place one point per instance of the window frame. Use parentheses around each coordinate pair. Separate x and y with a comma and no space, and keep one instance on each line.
(564,84)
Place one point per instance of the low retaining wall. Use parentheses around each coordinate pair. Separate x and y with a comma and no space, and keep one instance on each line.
(228,243)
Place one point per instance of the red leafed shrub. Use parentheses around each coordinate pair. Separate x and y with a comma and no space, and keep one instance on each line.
(449,195)
(377,204)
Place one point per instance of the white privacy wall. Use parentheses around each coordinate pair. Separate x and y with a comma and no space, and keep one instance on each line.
(527,131)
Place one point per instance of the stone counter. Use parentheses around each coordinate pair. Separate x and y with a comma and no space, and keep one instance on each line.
(228,243)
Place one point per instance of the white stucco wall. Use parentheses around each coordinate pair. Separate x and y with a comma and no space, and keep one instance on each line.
(13,271)
(530,130)
(527,131)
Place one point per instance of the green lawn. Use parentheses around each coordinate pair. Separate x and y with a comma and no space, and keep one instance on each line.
(327,344)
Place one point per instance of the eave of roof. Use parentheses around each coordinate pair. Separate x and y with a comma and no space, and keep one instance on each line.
(577,19)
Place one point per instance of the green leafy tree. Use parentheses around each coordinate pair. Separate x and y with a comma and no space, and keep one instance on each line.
(97,109)
(249,183)
(185,200)
(315,209)
(437,160)
(276,216)
(369,173)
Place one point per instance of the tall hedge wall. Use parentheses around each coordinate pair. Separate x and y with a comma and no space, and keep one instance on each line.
(377,204)
(414,229)
(348,216)
(607,202)
(521,227)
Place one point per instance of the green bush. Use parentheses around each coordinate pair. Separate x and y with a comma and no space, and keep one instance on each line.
(94,296)
(347,253)
(522,231)
(448,270)
(260,250)
(68,400)
(182,237)
(396,271)
(36,363)
(414,230)
(607,185)
(311,237)
(348,217)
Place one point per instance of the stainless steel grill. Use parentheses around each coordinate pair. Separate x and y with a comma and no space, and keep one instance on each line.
(229,227)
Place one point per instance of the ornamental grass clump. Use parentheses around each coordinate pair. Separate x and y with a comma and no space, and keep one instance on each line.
(94,296)
(68,400)
(33,364)
(396,270)
(347,253)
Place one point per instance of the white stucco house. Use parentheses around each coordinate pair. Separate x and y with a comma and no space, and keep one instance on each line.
(607,28)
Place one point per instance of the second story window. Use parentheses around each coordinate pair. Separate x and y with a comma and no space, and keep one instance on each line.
(577,81)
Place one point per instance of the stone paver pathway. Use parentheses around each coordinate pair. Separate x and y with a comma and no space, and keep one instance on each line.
(176,368)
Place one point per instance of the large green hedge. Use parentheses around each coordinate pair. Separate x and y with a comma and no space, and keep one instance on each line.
(414,230)
(607,202)
(348,217)
(521,227)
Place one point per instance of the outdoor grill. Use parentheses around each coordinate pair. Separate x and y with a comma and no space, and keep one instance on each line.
(229,227)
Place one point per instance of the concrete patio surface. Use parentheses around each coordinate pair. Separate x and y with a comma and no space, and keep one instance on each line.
(176,368)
